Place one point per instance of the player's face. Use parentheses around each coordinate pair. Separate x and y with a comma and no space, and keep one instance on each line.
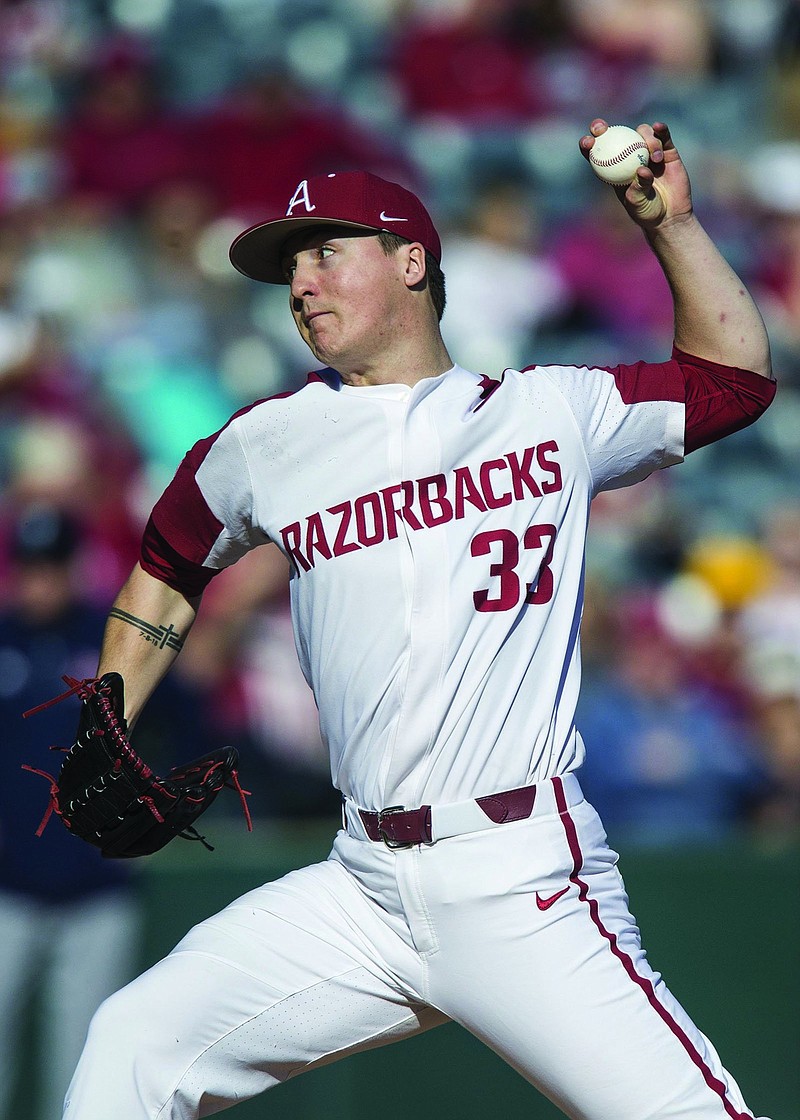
(344,295)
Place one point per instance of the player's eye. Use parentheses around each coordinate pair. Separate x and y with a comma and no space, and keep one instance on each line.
(320,253)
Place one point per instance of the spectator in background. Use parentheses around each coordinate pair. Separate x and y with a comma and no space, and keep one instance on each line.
(785,72)
(269,133)
(61,442)
(778,721)
(477,65)
(119,141)
(669,37)
(500,238)
(20,332)
(722,574)
(769,629)
(85,465)
(627,300)
(160,363)
(776,269)
(68,918)
(770,621)
(665,765)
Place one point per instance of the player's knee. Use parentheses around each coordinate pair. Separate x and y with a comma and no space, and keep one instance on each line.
(114,1074)
(123,1029)
(125,1049)
(116,1025)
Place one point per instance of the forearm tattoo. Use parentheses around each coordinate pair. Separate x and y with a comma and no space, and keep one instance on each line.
(165,637)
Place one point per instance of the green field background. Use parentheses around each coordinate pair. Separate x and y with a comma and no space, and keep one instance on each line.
(721,924)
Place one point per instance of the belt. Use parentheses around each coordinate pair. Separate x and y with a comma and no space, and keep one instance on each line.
(399,827)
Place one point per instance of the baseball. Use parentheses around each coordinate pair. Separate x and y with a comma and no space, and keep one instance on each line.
(618,154)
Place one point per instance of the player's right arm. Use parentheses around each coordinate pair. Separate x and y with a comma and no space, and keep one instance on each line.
(145,632)
(716,318)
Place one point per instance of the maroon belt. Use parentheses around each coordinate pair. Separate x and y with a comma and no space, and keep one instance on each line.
(401,828)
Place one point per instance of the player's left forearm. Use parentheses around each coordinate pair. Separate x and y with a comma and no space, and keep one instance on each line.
(145,632)
(715,315)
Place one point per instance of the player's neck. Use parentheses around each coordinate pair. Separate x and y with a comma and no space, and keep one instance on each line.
(412,360)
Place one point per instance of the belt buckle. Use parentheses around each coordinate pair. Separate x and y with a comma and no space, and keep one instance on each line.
(388,841)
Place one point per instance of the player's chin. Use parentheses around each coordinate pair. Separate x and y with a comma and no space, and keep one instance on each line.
(324,354)
(311,341)
(324,346)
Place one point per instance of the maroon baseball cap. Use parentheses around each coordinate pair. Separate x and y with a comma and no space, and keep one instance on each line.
(346,198)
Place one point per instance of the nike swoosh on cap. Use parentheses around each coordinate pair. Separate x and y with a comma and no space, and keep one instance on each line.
(386,218)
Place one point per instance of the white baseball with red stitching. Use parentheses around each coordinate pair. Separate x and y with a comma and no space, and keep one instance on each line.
(617,154)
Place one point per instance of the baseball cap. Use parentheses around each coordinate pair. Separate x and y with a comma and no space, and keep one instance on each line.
(347,198)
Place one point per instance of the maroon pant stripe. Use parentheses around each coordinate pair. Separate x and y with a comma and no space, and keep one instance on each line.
(646,985)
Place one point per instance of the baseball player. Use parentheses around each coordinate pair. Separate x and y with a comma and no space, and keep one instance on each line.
(434,520)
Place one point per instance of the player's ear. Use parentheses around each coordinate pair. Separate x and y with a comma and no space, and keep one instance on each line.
(414,272)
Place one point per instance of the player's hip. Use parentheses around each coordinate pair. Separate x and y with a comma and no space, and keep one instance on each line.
(521,856)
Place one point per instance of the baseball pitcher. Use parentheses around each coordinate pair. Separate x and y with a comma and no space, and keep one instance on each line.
(434,520)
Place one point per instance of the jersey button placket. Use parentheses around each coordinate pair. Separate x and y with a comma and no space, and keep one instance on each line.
(395,411)
(427,593)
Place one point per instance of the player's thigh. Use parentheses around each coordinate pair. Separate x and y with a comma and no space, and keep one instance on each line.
(561,987)
(290,976)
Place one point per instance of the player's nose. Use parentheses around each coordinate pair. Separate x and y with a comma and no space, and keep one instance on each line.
(303,282)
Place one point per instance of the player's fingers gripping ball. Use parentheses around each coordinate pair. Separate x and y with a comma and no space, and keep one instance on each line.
(617,154)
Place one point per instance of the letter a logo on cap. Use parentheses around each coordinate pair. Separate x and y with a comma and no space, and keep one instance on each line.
(300,195)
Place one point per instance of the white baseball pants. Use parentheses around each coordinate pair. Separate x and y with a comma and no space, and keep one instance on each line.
(520,932)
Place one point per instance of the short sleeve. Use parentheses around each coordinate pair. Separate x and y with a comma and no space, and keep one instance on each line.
(630,417)
(203,521)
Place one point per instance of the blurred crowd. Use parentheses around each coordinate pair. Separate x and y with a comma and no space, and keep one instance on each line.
(137,137)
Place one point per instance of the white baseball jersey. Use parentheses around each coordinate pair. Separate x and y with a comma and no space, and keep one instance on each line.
(436,536)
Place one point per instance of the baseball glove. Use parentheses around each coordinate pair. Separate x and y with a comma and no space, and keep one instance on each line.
(107,795)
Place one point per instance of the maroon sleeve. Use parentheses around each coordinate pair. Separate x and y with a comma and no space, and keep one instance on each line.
(185,544)
(720,399)
(160,560)
(181,530)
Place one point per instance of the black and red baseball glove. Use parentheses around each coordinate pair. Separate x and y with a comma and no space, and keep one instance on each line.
(107,794)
